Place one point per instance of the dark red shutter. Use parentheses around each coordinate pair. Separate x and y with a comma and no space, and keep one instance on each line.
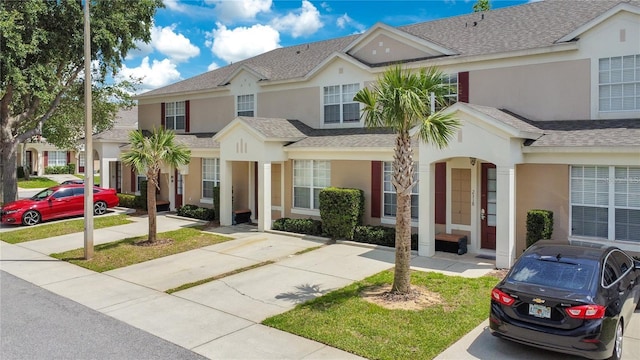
(162,119)
(441,193)
(133,180)
(376,188)
(46,158)
(463,86)
(186,116)
(68,157)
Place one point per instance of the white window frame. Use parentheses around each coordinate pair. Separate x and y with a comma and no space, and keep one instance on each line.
(618,84)
(172,112)
(139,178)
(341,96)
(316,175)
(246,104)
(82,159)
(57,158)
(608,189)
(210,174)
(389,191)
(452,94)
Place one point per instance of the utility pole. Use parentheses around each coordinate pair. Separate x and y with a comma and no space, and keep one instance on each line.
(88,137)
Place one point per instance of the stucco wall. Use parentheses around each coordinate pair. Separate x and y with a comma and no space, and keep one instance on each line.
(296,104)
(357,175)
(241,190)
(192,184)
(550,91)
(382,49)
(542,186)
(210,114)
(149,116)
(276,189)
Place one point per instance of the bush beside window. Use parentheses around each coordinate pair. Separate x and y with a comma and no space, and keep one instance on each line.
(341,211)
(539,225)
(299,226)
(61,169)
(129,201)
(196,212)
(380,235)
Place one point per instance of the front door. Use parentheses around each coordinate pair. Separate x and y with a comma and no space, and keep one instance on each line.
(178,182)
(488,210)
(28,162)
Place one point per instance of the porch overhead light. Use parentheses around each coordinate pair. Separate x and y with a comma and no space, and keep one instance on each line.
(472,161)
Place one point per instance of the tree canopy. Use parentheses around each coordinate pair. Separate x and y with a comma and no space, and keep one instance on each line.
(482,5)
(42,65)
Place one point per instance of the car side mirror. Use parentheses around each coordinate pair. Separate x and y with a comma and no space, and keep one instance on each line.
(636,264)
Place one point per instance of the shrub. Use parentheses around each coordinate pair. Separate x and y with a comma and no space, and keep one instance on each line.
(299,226)
(216,203)
(341,211)
(62,169)
(142,201)
(196,212)
(71,168)
(380,235)
(539,225)
(128,201)
(20,172)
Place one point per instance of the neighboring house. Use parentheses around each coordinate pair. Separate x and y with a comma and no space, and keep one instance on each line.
(549,98)
(37,154)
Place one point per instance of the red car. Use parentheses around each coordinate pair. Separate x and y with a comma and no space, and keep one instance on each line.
(56,202)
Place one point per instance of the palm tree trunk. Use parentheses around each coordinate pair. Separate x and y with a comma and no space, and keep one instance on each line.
(403,181)
(151,206)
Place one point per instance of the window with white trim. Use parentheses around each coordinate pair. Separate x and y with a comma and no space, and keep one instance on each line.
(451,95)
(619,83)
(210,176)
(57,158)
(246,105)
(139,178)
(339,106)
(389,192)
(175,115)
(309,177)
(604,195)
(82,159)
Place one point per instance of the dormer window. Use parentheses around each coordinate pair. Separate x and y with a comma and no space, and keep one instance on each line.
(174,116)
(339,106)
(246,105)
(619,83)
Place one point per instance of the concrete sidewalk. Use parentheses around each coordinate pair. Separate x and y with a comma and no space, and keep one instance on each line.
(219,319)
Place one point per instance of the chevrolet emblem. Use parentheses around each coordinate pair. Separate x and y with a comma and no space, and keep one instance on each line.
(538,301)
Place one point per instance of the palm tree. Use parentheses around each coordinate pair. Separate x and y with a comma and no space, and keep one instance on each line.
(147,156)
(400,100)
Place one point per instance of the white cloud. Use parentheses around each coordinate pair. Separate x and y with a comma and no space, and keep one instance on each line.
(174,5)
(228,11)
(158,74)
(242,42)
(176,46)
(343,21)
(213,66)
(304,21)
(142,49)
(325,5)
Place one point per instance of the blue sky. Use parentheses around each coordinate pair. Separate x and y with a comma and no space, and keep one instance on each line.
(190,37)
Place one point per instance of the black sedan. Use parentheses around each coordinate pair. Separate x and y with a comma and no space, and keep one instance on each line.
(575,298)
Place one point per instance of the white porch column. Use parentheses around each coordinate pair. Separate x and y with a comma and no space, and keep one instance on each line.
(426,208)
(105,179)
(506,216)
(41,163)
(226,181)
(264,196)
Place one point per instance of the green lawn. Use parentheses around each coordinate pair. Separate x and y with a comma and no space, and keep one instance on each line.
(61,228)
(35,183)
(126,252)
(344,320)
(96,178)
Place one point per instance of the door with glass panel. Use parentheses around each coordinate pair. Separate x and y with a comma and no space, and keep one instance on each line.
(488,210)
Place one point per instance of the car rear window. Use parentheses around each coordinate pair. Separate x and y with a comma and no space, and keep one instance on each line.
(561,274)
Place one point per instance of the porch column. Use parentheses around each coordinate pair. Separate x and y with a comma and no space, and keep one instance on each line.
(105,179)
(505,216)
(426,208)
(264,195)
(226,181)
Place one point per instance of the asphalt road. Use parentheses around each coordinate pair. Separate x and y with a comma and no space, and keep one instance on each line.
(37,324)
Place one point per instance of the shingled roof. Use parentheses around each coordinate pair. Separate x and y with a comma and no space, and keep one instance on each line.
(570,133)
(523,27)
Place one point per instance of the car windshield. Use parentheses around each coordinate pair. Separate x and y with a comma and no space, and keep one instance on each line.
(42,194)
(572,275)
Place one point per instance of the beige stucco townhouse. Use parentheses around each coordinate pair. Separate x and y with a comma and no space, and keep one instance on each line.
(548,94)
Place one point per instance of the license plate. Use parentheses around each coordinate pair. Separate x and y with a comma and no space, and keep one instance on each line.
(540,311)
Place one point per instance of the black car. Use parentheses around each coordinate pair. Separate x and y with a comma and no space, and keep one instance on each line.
(576,298)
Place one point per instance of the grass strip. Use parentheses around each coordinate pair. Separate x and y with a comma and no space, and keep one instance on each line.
(344,320)
(36,183)
(217,277)
(61,228)
(129,251)
(308,250)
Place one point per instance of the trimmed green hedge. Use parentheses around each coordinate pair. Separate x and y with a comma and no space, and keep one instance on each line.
(196,212)
(62,169)
(380,235)
(129,201)
(299,226)
(341,210)
(539,225)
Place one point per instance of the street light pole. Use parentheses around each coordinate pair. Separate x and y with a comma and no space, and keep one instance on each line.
(88,137)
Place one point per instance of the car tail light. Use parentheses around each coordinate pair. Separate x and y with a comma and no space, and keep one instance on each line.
(586,312)
(501,297)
